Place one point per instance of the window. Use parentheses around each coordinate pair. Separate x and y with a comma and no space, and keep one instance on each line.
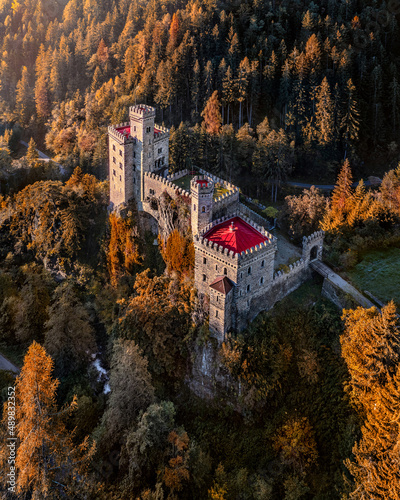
(134,180)
(149,141)
(216,267)
(262,263)
(113,159)
(149,155)
(120,178)
(261,280)
(241,275)
(120,165)
(134,154)
(148,130)
(249,270)
(113,147)
(134,167)
(217,298)
(152,191)
(203,209)
(204,260)
(225,271)
(162,160)
(120,152)
(194,208)
(204,277)
(216,314)
(134,128)
(248,288)
(159,150)
(114,172)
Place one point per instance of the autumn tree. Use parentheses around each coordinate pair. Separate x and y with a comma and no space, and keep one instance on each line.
(48,464)
(370,348)
(32,155)
(211,115)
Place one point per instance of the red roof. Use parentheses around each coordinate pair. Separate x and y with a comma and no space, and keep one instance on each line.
(124,130)
(235,234)
(127,131)
(222,284)
(202,182)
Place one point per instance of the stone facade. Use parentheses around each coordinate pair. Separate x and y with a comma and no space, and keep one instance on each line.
(135,147)
(239,284)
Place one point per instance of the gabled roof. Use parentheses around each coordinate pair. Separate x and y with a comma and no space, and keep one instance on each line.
(235,234)
(222,284)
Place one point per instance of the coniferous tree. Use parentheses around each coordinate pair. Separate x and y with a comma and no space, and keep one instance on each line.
(211,115)
(324,114)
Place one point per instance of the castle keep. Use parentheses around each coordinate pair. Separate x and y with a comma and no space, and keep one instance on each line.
(234,253)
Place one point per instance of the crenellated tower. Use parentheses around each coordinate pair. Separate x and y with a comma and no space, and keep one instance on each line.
(202,192)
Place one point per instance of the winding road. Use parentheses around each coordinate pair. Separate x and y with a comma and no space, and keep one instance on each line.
(6,365)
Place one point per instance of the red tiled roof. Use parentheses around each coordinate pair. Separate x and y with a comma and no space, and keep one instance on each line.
(222,284)
(235,234)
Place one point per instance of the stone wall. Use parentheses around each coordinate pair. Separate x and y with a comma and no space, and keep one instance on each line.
(154,186)
(253,215)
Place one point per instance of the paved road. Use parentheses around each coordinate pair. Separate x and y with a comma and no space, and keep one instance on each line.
(5,364)
(324,187)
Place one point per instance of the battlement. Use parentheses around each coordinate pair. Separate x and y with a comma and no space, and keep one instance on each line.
(201,184)
(165,183)
(178,175)
(217,180)
(120,136)
(160,133)
(142,111)
(245,255)
(215,249)
(282,275)
(313,237)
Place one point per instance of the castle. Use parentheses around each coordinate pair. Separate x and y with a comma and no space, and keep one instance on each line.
(234,252)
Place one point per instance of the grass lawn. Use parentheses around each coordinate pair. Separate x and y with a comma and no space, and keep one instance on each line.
(379,273)
(219,191)
(184,182)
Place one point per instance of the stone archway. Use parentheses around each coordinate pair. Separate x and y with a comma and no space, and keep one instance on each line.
(314,252)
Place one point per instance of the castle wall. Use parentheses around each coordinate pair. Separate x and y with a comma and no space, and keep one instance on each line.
(161,148)
(243,209)
(155,185)
(220,318)
(122,178)
(265,298)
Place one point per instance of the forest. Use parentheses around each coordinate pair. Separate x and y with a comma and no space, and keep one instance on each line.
(103,319)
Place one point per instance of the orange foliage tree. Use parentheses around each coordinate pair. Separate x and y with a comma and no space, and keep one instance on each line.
(123,253)
(179,253)
(47,462)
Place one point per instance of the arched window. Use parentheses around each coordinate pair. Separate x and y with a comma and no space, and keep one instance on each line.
(314,253)
(262,263)
(261,280)
(249,270)
(203,209)
(248,288)
(225,271)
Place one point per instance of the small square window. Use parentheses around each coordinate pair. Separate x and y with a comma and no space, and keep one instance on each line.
(225,271)
(204,277)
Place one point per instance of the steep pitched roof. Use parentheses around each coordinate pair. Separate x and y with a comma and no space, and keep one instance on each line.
(222,284)
(235,234)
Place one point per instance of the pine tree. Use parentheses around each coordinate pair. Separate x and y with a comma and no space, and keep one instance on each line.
(351,119)
(32,155)
(324,114)
(24,105)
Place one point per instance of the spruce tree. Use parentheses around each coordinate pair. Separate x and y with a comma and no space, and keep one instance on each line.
(324,114)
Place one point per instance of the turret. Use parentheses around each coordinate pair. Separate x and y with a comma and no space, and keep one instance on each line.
(202,191)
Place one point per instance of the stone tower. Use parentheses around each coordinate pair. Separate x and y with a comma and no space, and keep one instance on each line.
(202,191)
(136,147)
